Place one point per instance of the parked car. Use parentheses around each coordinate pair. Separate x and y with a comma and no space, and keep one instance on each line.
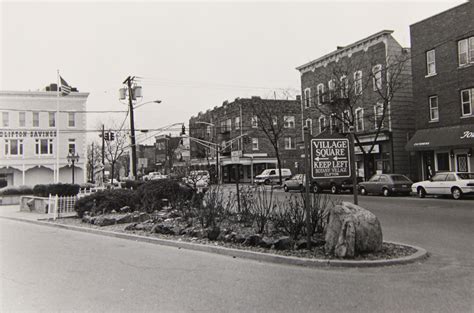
(446,183)
(334,185)
(386,184)
(296,182)
(155,176)
(271,176)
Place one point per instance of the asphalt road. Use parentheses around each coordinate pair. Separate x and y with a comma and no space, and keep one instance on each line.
(45,269)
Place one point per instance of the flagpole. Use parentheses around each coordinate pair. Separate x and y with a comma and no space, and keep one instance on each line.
(57,130)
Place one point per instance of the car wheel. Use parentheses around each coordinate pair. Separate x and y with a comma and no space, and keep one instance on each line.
(456,193)
(385,192)
(267,182)
(363,191)
(421,192)
(334,189)
(285,187)
(315,189)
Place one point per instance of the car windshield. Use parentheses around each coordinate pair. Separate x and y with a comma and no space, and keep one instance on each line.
(466,175)
(400,179)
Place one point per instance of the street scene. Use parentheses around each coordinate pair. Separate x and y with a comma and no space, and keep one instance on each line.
(237,157)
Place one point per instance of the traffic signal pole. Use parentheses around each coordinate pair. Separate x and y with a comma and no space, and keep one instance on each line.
(308,176)
(132,127)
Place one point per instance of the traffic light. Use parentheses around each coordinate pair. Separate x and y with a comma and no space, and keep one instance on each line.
(112,136)
(106,136)
(183,130)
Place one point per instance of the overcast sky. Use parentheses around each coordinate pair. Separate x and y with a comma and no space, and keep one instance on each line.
(192,55)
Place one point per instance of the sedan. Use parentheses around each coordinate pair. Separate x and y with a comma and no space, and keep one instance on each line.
(447,183)
(296,182)
(386,184)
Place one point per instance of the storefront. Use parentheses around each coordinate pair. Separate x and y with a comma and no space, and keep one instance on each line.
(443,149)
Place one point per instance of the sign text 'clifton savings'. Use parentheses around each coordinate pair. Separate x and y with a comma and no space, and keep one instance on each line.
(330,158)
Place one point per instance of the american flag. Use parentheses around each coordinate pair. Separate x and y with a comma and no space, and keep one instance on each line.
(65,88)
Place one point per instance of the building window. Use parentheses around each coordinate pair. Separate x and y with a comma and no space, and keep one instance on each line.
(307,97)
(5,119)
(321,96)
(52,119)
(430,63)
(71,146)
(359,119)
(345,120)
(290,144)
(254,144)
(254,121)
(289,121)
(344,86)
(44,146)
(333,122)
(36,119)
(322,124)
(331,88)
(377,77)
(22,119)
(378,115)
(208,130)
(237,122)
(71,119)
(309,124)
(275,120)
(13,147)
(358,82)
(466,51)
(434,113)
(467,101)
(442,161)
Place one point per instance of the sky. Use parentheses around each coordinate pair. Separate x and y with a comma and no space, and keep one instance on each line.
(190,55)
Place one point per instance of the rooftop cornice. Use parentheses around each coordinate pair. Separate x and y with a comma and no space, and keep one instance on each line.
(347,50)
(41,94)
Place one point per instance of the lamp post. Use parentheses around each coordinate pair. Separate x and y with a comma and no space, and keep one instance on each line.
(72,158)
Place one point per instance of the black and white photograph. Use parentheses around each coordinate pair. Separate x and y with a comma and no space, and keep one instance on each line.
(237,156)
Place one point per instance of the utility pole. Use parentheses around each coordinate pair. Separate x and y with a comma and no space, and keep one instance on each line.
(308,176)
(92,165)
(128,81)
(103,153)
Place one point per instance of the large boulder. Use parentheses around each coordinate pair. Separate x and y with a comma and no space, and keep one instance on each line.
(284,243)
(352,229)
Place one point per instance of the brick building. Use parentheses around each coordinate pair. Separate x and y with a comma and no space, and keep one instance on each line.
(443,80)
(171,152)
(349,87)
(235,128)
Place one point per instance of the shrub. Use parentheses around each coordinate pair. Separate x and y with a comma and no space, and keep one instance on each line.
(246,202)
(105,201)
(290,216)
(152,194)
(214,207)
(56,189)
(263,206)
(131,184)
(16,191)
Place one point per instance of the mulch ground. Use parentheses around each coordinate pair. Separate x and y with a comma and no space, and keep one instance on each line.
(389,250)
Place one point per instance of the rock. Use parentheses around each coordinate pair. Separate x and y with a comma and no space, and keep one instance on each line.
(130,227)
(86,218)
(174,214)
(302,243)
(163,228)
(266,243)
(127,218)
(213,233)
(239,238)
(104,221)
(230,237)
(144,226)
(351,230)
(253,240)
(125,209)
(284,243)
(140,217)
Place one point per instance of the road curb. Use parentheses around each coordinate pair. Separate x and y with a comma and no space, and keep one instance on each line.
(419,255)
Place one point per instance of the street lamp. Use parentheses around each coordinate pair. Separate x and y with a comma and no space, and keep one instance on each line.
(217,147)
(71,159)
(142,104)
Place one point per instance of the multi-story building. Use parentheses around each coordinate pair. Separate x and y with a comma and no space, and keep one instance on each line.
(31,133)
(236,130)
(366,86)
(443,81)
(171,152)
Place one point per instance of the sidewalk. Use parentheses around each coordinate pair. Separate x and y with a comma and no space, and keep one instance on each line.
(13,211)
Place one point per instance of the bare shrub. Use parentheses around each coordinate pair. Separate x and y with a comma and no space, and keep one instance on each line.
(290,216)
(263,207)
(244,215)
(214,207)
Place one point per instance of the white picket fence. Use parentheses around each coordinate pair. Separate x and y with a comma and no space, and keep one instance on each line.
(58,205)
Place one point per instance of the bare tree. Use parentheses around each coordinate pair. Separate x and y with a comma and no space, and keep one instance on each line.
(344,98)
(114,149)
(94,160)
(271,120)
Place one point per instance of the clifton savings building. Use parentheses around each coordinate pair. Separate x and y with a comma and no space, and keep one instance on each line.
(33,125)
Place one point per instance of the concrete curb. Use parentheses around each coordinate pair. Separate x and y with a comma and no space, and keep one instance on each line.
(419,255)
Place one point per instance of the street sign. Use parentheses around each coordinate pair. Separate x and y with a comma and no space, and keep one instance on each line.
(330,158)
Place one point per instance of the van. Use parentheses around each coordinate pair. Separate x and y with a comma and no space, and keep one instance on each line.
(271,176)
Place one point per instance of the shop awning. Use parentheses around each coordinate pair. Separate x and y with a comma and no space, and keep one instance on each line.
(460,136)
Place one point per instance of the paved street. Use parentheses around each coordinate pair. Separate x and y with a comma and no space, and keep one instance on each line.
(46,269)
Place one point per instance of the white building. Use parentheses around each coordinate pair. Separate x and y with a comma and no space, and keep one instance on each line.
(29,133)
